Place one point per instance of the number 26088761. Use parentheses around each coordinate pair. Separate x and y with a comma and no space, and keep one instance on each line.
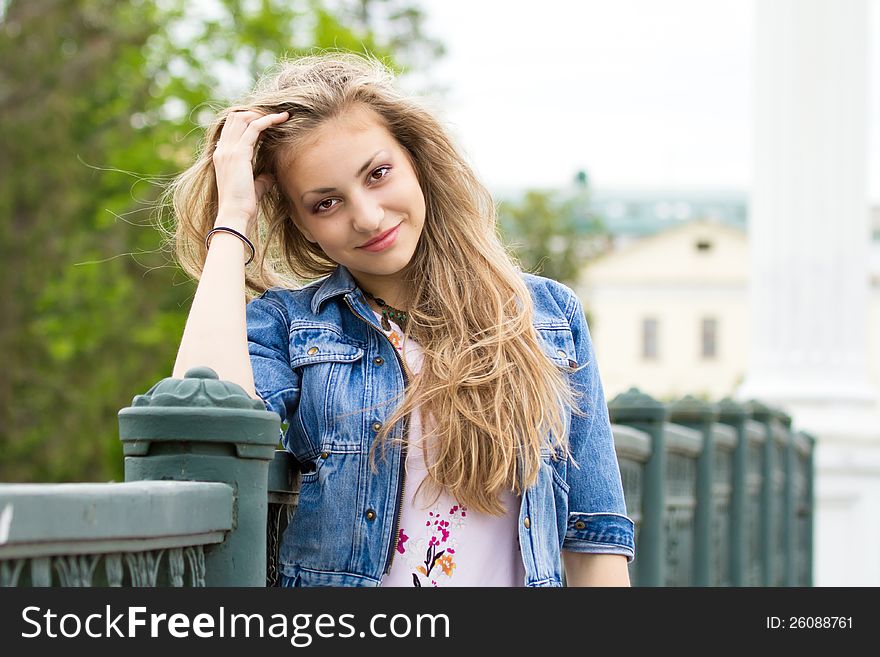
(809,623)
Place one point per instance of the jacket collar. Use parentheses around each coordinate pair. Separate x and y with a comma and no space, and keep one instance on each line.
(339,282)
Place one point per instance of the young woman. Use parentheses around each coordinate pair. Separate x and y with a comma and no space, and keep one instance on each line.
(445,407)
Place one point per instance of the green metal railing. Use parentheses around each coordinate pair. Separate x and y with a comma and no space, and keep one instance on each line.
(132,534)
(725,494)
(720,494)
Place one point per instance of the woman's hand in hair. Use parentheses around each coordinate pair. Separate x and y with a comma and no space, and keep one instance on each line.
(238,193)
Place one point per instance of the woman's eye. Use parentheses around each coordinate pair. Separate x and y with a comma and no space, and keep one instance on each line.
(382,170)
(323,207)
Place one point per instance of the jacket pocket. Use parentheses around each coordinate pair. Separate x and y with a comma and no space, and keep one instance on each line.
(313,473)
(334,391)
(312,344)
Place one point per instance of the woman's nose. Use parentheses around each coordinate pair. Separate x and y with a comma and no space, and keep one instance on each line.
(367,215)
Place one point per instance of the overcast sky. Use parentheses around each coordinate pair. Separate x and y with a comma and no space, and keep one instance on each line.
(641,93)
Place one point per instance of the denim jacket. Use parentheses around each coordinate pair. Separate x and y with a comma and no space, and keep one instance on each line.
(322,363)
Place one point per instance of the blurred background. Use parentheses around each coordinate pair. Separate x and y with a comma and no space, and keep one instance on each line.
(705,174)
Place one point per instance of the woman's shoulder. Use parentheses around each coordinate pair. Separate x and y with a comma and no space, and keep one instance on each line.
(553,301)
(290,302)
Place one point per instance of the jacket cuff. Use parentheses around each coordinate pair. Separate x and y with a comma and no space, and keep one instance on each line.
(606,533)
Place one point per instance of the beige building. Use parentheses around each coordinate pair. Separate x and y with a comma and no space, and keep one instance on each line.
(668,312)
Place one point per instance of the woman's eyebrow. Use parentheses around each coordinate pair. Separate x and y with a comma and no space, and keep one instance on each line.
(325,190)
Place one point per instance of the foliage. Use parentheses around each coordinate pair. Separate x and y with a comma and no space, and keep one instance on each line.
(93,309)
(552,233)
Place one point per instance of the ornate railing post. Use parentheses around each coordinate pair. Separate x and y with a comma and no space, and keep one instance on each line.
(201,429)
(283,498)
(700,416)
(638,410)
(806,508)
(633,449)
(786,543)
(734,415)
(763,415)
(683,447)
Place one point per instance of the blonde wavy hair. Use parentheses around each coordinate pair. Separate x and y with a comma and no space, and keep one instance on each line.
(496,402)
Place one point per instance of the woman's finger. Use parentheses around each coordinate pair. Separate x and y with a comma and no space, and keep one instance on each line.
(247,124)
(255,127)
(236,123)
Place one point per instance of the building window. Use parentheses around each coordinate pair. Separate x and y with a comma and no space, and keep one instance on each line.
(649,338)
(710,337)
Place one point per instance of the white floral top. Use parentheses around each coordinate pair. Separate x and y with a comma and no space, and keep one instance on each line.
(444,544)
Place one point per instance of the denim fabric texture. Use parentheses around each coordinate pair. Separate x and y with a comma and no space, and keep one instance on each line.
(322,363)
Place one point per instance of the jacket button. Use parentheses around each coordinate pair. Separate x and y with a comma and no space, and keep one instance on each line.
(377,426)
(312,351)
(378,360)
(324,455)
(527,523)
(561,353)
(580,524)
(371,515)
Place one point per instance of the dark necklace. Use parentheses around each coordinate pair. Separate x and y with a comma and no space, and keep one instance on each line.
(389,312)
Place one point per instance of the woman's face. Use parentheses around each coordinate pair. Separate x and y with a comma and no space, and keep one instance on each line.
(357,196)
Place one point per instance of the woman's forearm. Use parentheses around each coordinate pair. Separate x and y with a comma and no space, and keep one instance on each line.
(215,334)
(583,569)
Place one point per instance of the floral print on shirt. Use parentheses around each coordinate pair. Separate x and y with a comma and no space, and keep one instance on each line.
(395,339)
(394,335)
(431,557)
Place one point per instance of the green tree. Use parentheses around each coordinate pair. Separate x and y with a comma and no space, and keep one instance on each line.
(552,233)
(93,309)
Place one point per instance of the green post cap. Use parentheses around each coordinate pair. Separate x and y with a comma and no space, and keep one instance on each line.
(199,408)
(730,412)
(759,411)
(634,405)
(199,387)
(691,409)
(783,417)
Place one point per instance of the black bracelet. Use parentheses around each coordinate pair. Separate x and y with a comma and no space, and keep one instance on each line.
(232,231)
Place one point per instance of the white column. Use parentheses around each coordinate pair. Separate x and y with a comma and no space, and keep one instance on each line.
(809,284)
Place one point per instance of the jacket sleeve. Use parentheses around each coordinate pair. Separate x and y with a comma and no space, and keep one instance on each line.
(275,382)
(597,520)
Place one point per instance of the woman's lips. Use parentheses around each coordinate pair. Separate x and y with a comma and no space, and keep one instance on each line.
(383,242)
